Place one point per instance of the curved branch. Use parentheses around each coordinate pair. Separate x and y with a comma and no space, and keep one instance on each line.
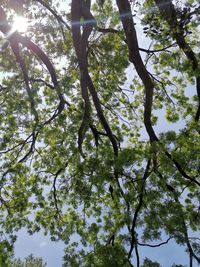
(134,56)
(80,45)
(155,246)
(156,50)
(34,138)
(182,219)
(180,169)
(19,59)
(80,9)
(168,12)
(139,206)
(101,116)
(59,18)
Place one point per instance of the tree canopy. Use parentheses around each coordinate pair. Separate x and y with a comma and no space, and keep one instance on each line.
(99,127)
(30,261)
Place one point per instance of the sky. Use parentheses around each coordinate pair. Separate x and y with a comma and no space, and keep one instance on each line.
(40,246)
(52,252)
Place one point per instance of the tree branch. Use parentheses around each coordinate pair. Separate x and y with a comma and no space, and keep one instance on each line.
(134,56)
(139,206)
(59,18)
(155,246)
(168,12)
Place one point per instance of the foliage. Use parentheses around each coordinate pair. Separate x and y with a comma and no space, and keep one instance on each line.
(85,154)
(30,261)
(7,257)
(6,252)
(149,263)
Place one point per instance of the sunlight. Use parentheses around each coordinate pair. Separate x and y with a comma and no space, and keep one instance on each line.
(20,24)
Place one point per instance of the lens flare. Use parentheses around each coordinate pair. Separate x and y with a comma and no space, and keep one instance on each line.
(20,24)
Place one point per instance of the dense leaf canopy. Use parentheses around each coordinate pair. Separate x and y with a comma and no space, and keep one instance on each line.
(99,127)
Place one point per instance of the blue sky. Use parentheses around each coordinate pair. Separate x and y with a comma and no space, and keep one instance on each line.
(52,253)
(40,246)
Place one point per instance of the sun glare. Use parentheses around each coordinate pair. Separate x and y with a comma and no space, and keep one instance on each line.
(20,24)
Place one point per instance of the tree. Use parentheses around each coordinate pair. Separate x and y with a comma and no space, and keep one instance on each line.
(30,261)
(6,252)
(149,263)
(81,152)
(7,257)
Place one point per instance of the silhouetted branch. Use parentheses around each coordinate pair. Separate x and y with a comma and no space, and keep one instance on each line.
(169,13)
(149,51)
(59,18)
(155,246)
(134,57)
(139,206)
